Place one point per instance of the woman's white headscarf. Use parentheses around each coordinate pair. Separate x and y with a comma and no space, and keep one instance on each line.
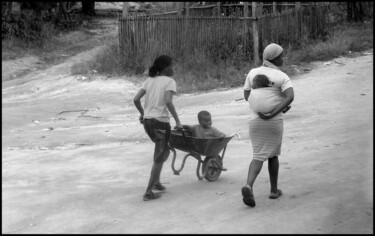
(272,51)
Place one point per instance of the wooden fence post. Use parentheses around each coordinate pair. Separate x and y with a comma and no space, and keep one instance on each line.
(298,5)
(245,9)
(245,14)
(260,9)
(187,9)
(255,34)
(299,20)
(218,9)
(274,7)
(179,8)
(125,7)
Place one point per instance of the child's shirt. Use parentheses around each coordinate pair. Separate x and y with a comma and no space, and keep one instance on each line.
(155,106)
(199,132)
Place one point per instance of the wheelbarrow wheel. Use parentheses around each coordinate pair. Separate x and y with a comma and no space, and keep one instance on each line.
(211,168)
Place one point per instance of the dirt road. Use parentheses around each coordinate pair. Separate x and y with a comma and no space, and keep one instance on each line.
(76,160)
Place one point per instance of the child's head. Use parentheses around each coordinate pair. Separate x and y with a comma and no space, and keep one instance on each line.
(204,118)
(162,65)
(260,81)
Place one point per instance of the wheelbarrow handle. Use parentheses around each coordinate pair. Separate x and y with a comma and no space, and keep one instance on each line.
(239,137)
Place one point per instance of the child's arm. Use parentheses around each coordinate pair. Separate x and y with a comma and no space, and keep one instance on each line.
(217,133)
(186,127)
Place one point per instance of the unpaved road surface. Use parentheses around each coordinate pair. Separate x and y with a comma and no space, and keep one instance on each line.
(76,160)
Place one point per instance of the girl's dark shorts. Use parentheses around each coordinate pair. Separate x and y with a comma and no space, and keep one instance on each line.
(152,128)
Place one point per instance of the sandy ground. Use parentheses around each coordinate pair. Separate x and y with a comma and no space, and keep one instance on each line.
(76,160)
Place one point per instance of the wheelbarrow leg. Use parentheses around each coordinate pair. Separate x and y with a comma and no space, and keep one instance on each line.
(222,157)
(198,168)
(177,172)
(173,160)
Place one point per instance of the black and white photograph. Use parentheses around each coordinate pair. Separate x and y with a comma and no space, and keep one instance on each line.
(187,117)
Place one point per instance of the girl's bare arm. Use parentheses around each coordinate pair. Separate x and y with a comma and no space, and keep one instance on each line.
(137,103)
(171,108)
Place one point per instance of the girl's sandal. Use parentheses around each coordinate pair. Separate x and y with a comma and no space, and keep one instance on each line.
(276,195)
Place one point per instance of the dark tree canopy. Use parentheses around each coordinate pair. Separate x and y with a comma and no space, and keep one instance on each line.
(88,8)
(355,11)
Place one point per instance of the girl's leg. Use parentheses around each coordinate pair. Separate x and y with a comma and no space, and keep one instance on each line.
(155,175)
(165,157)
(161,154)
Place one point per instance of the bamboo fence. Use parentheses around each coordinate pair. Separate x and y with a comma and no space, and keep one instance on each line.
(192,33)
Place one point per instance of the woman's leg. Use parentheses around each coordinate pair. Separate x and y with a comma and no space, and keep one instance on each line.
(254,169)
(247,192)
(273,169)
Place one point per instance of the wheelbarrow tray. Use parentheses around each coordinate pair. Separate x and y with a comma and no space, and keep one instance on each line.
(203,146)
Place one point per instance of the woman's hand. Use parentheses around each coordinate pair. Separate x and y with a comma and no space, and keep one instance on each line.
(286,109)
(265,116)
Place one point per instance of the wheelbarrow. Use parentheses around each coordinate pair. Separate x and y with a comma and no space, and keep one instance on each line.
(210,148)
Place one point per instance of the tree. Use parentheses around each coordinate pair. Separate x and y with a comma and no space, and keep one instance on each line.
(7,7)
(354,11)
(125,8)
(88,8)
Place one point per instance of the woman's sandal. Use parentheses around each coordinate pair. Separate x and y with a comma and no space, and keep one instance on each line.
(248,196)
(151,196)
(276,195)
(159,187)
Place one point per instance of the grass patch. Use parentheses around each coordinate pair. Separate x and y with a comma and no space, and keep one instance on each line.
(107,61)
(342,39)
(53,44)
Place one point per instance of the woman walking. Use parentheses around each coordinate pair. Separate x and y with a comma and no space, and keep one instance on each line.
(266,130)
(158,90)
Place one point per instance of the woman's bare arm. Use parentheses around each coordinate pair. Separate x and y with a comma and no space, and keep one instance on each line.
(246,94)
(289,97)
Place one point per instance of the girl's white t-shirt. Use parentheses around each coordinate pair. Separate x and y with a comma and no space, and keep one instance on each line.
(155,105)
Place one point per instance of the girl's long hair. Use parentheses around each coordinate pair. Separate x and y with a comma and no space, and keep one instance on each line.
(159,64)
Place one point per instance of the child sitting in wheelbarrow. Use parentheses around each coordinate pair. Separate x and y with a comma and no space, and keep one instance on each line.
(204,129)
(203,140)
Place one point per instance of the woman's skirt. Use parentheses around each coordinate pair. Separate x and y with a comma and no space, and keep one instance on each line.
(266,137)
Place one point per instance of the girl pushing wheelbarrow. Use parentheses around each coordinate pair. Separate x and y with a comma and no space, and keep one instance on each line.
(158,90)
